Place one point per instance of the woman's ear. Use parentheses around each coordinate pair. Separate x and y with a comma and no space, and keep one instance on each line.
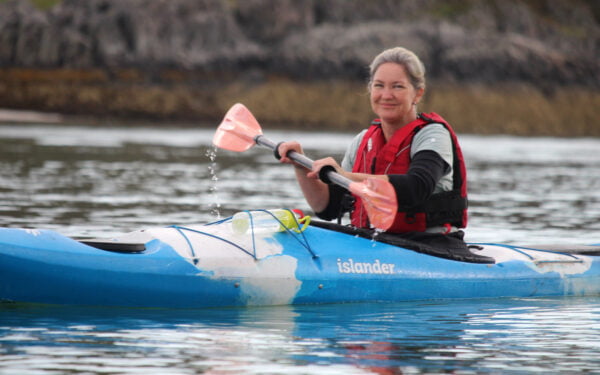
(418,95)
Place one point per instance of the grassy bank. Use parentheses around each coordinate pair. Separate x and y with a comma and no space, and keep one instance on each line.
(337,105)
(516,109)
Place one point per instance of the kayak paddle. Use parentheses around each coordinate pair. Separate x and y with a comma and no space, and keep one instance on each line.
(239,131)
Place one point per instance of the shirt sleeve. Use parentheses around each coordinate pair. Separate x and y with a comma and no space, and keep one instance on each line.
(350,155)
(436,138)
(418,184)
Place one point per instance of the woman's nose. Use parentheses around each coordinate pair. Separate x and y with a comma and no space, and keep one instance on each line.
(386,92)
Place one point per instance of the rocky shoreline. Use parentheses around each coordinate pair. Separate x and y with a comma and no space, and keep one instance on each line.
(302,62)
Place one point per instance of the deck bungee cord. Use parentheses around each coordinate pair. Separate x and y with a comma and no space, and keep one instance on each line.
(298,235)
(181,229)
(520,250)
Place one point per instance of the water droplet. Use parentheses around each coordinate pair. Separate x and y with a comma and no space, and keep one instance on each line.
(215,205)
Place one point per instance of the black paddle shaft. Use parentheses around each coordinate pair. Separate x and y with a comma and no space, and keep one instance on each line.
(330,173)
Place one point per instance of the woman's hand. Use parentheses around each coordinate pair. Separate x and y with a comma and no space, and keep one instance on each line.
(285,147)
(318,164)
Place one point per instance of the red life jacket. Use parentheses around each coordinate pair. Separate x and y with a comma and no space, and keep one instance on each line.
(375,156)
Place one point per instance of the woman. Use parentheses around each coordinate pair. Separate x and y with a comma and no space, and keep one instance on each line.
(418,153)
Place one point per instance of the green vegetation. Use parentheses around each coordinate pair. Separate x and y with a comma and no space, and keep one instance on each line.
(451,8)
(45,4)
(40,4)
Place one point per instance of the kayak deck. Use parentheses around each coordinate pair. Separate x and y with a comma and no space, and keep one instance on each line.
(128,246)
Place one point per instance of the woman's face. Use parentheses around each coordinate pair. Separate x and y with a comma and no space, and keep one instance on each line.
(393,95)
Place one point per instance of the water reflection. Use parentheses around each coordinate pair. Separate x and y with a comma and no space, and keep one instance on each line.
(502,336)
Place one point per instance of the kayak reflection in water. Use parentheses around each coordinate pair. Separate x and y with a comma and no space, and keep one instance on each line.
(418,153)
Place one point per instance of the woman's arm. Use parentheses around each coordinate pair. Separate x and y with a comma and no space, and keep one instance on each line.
(418,184)
(315,191)
(427,167)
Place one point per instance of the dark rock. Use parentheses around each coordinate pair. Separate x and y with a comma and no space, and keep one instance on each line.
(499,40)
(110,33)
(21,30)
(270,21)
(338,50)
(346,12)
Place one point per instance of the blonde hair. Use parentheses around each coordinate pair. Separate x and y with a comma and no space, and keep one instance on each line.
(401,56)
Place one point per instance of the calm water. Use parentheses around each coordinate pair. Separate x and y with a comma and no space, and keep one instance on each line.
(85,182)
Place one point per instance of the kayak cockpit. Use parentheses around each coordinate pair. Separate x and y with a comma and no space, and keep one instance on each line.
(461,255)
(130,243)
(115,245)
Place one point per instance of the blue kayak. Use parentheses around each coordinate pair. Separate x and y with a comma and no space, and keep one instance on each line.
(209,265)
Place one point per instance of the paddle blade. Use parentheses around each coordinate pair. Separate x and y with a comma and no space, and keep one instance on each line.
(379,198)
(237,130)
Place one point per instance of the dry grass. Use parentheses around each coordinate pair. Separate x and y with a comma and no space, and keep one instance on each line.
(503,109)
(335,105)
(280,102)
(518,109)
